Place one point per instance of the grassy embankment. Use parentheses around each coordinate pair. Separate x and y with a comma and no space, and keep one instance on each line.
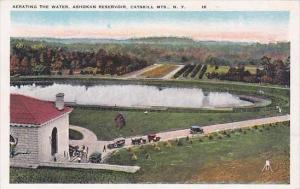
(232,157)
(235,157)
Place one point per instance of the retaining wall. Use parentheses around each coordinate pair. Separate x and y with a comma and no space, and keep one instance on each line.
(127,169)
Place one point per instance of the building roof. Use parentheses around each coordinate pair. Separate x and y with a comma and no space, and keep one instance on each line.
(28,110)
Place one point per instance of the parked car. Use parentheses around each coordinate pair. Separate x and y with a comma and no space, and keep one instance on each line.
(196,130)
(138,140)
(153,137)
(117,143)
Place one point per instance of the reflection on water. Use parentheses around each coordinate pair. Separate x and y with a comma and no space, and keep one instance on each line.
(132,96)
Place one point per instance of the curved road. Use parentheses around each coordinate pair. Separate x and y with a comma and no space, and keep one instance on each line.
(90,139)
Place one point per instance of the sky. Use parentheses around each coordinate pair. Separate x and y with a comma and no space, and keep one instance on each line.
(253,26)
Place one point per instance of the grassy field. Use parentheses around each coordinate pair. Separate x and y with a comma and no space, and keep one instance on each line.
(224,69)
(251,69)
(221,69)
(159,71)
(60,175)
(102,123)
(237,157)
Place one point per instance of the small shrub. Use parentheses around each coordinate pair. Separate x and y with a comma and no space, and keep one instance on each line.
(220,137)
(215,134)
(224,133)
(134,157)
(187,138)
(147,156)
(95,157)
(200,140)
(154,145)
(168,145)
(228,135)
(244,132)
(191,141)
(210,137)
(260,130)
(129,149)
(255,127)
(157,148)
(240,130)
(180,143)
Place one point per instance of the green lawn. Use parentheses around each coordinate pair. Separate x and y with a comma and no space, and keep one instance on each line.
(60,175)
(222,159)
(102,123)
(75,135)
(211,68)
(224,69)
(221,69)
(251,69)
(235,159)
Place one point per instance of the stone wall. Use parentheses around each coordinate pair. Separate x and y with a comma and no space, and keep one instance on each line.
(27,143)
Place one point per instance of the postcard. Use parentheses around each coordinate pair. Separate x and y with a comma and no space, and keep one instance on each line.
(177,93)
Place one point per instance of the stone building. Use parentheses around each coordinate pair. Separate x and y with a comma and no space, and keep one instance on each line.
(39,130)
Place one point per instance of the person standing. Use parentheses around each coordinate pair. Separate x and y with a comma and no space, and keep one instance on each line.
(104,148)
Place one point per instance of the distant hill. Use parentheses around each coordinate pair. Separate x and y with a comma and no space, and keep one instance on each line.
(146,40)
(170,49)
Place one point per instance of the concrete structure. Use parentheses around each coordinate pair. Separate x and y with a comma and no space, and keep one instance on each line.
(120,168)
(39,131)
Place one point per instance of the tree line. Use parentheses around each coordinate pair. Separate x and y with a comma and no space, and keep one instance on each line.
(44,60)
(271,71)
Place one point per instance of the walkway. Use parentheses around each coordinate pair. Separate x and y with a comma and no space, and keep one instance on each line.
(135,74)
(91,141)
(87,134)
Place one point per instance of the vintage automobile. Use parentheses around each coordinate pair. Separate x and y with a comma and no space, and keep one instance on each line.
(196,130)
(117,143)
(138,140)
(153,137)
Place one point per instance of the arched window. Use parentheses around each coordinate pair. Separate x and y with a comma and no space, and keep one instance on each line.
(54,141)
(12,139)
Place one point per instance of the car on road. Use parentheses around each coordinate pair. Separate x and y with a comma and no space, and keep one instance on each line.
(153,137)
(138,140)
(117,143)
(196,130)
